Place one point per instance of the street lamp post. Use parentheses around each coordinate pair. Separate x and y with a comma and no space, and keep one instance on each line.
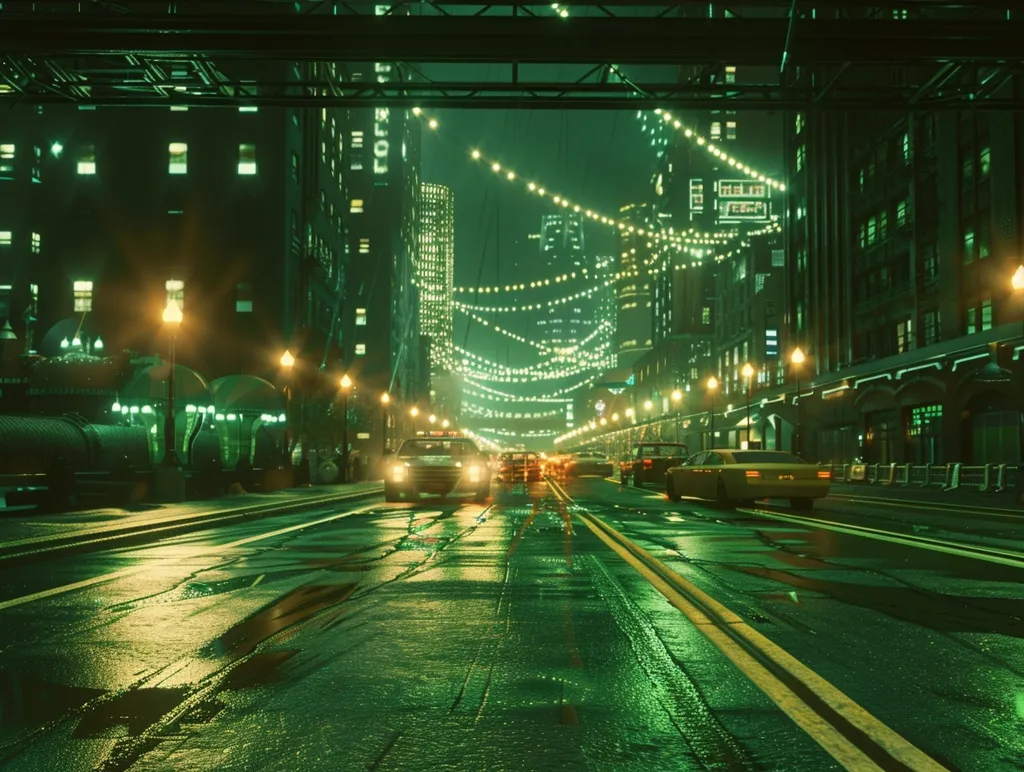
(445,423)
(413,412)
(712,388)
(172,318)
(287,362)
(748,375)
(797,359)
(677,397)
(385,400)
(346,387)
(432,419)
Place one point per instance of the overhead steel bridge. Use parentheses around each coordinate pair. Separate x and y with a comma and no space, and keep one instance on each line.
(911,55)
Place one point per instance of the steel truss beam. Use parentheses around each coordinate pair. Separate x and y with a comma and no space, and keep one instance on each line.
(519,39)
(154,92)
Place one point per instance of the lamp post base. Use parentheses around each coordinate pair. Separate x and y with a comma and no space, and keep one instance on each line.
(169,482)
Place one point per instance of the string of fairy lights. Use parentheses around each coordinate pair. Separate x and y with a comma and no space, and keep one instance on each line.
(487,370)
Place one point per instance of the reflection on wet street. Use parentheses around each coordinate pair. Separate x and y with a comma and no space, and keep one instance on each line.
(507,636)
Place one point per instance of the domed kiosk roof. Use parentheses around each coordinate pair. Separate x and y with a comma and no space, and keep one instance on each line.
(65,330)
(245,394)
(75,373)
(150,385)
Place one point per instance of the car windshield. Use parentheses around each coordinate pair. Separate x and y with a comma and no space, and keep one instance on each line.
(415,448)
(765,457)
(663,451)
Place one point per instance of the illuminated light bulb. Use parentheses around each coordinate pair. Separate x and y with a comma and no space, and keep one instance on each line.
(700,140)
(532,186)
(657,111)
(678,125)
(760,178)
(576,208)
(541,191)
(511,176)
(732,162)
(496,167)
(565,203)
(782,186)
(667,117)
(476,155)
(557,199)
(589,213)
(564,14)
(688,133)
(432,123)
(416,111)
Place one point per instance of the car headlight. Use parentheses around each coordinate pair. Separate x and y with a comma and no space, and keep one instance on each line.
(474,474)
(398,473)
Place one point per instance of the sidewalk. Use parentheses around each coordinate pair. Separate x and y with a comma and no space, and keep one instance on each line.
(966,497)
(35,533)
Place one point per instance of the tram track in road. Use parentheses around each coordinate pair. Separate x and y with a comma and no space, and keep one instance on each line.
(845,730)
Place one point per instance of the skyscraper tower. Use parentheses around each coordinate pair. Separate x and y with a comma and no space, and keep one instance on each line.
(435,274)
(562,251)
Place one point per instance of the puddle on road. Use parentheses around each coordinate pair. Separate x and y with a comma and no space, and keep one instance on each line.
(128,714)
(290,609)
(27,701)
(944,613)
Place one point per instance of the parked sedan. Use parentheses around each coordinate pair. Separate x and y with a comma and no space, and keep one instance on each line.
(590,463)
(731,476)
(651,460)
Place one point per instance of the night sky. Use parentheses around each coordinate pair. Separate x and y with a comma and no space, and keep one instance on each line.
(599,159)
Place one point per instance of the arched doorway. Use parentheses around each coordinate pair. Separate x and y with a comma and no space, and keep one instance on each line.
(923,402)
(883,425)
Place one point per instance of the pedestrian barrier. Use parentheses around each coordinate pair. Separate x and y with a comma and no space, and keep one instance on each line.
(983,478)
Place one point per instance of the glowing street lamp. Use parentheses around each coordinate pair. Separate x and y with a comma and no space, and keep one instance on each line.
(413,412)
(385,400)
(1017,282)
(287,363)
(712,388)
(172,317)
(445,423)
(677,395)
(346,387)
(796,359)
(748,375)
(432,419)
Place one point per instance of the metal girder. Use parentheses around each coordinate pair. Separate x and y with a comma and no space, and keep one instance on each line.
(144,89)
(486,39)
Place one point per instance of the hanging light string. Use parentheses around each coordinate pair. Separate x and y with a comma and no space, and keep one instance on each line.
(536,284)
(506,398)
(549,397)
(716,151)
(588,359)
(587,293)
(561,353)
(487,412)
(669,235)
(484,369)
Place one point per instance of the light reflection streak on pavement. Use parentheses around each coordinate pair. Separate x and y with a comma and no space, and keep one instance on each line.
(462,637)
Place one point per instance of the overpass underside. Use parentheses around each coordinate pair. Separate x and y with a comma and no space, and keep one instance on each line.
(913,55)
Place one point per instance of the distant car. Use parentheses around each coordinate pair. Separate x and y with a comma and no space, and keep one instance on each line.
(731,476)
(439,465)
(590,463)
(651,460)
(519,467)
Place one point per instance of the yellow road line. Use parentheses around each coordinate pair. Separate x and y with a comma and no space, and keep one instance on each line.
(85,583)
(722,627)
(988,554)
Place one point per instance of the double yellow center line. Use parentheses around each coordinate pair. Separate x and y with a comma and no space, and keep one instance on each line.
(846,731)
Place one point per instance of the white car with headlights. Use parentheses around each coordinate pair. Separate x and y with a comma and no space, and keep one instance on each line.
(731,476)
(439,465)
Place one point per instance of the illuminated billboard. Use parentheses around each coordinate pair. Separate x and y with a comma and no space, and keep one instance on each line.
(743,201)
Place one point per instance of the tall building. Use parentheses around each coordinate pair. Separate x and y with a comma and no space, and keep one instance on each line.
(383,187)
(634,294)
(563,250)
(435,273)
(106,214)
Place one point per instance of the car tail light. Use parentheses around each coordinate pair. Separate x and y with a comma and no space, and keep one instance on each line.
(752,474)
(648,463)
(824,475)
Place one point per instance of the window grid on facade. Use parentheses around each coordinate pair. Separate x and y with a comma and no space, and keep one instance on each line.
(360,349)
(86,160)
(37,243)
(986,315)
(364,246)
(6,238)
(356,206)
(82,292)
(246,158)
(730,129)
(360,317)
(6,160)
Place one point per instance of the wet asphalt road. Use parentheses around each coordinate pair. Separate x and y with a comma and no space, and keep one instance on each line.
(505,637)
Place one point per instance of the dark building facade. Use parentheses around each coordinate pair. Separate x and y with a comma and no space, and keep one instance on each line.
(233,213)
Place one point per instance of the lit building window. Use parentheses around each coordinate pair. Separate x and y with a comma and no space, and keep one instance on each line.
(37,243)
(901,213)
(5,238)
(248,89)
(6,159)
(360,317)
(177,158)
(730,73)
(175,292)
(730,129)
(716,130)
(364,246)
(356,206)
(986,315)
(243,298)
(83,296)
(972,321)
(360,349)
(247,158)
(801,155)
(984,162)
(87,159)
(968,246)
(357,139)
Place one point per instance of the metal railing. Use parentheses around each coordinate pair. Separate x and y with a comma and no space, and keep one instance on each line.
(986,478)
